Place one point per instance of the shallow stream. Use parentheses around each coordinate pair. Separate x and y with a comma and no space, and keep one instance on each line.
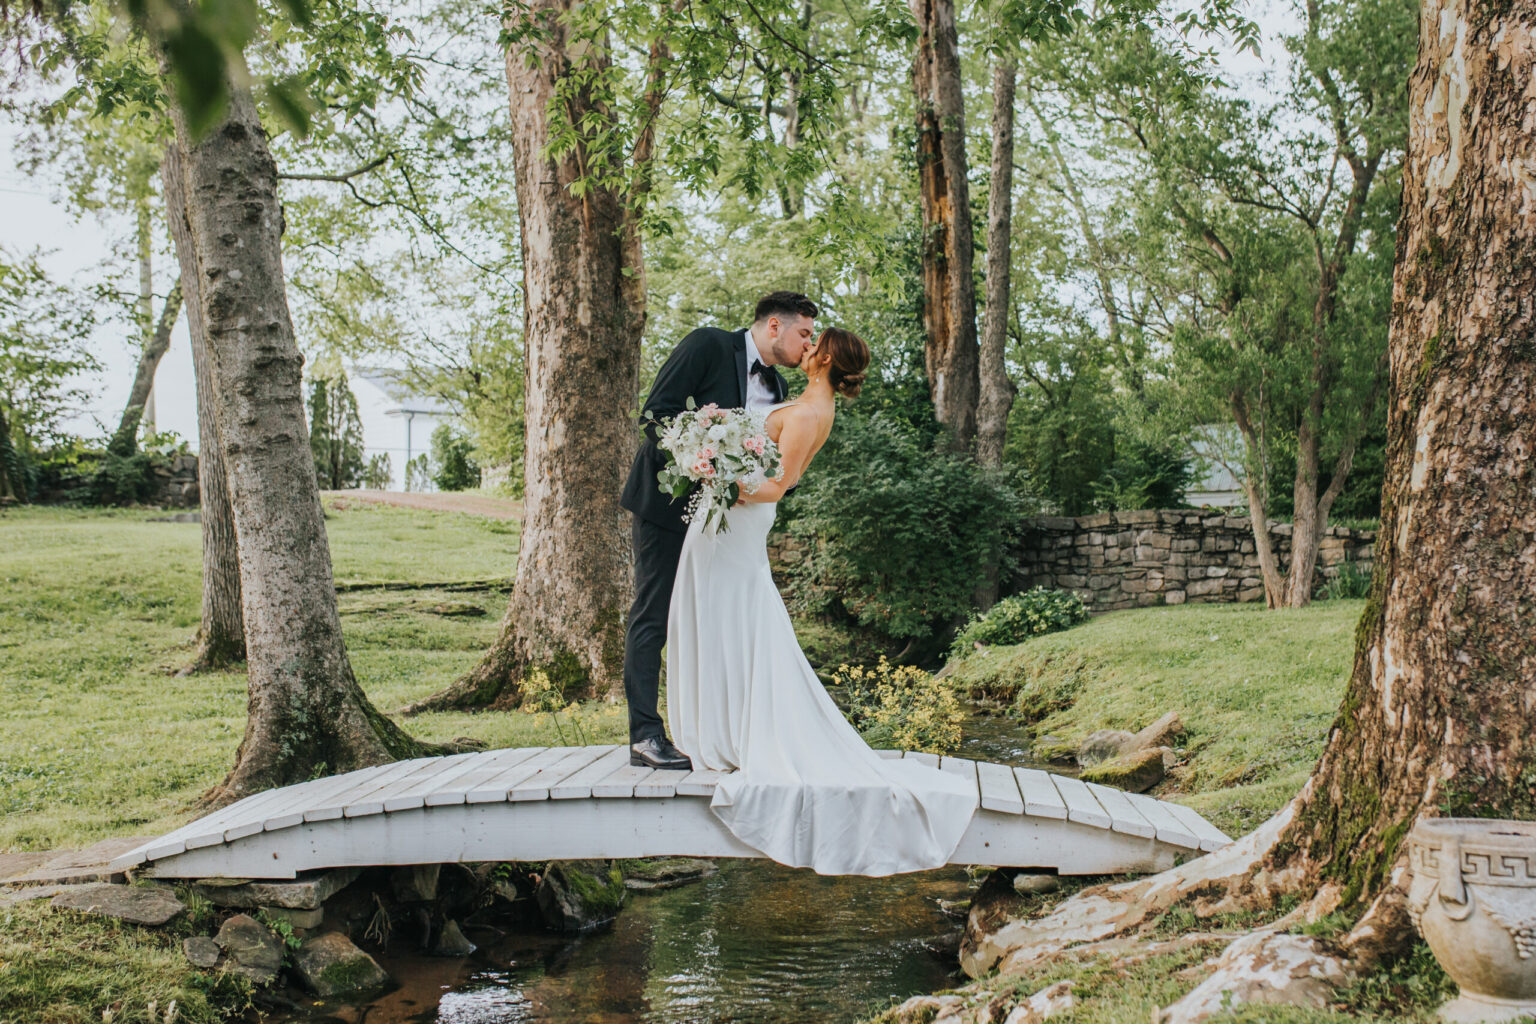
(755,942)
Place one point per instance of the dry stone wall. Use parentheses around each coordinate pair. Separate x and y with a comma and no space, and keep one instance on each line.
(1130,559)
(175,484)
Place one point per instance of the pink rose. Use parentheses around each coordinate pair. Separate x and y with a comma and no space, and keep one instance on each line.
(707,452)
(704,469)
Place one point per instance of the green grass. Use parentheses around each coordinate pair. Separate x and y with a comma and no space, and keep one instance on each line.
(98,609)
(1257,690)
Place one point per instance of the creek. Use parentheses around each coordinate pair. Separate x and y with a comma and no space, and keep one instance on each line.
(754,942)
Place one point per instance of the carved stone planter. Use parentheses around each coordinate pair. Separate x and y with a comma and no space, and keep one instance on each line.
(1473,898)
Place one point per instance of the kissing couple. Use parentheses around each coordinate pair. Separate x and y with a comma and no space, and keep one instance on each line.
(802,787)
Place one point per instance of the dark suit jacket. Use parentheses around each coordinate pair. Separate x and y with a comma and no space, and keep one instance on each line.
(709,365)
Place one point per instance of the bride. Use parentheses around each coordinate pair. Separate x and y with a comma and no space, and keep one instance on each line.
(803,787)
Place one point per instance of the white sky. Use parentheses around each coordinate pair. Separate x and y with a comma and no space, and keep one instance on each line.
(34,216)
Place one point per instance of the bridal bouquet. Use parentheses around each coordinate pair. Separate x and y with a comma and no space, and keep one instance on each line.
(723,451)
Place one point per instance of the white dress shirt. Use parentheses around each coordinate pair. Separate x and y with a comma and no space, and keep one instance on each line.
(759,395)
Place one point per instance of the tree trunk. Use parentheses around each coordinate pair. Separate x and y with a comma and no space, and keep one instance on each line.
(997,388)
(9,488)
(584,312)
(221,636)
(949,294)
(306,713)
(125,439)
(1436,718)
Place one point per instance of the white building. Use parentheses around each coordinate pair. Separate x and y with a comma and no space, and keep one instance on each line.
(395,421)
(1218,451)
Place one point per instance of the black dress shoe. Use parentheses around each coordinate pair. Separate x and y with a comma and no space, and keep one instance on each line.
(658,752)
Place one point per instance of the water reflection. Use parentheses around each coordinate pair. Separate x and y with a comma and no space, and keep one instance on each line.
(755,942)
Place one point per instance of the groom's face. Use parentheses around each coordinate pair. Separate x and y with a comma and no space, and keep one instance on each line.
(789,338)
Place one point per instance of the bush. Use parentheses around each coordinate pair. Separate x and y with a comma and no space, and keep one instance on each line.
(898,534)
(1350,583)
(903,708)
(1015,619)
(454,466)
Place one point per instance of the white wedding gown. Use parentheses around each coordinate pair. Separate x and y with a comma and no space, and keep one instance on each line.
(804,788)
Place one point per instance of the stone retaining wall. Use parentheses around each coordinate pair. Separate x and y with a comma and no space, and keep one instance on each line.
(176,485)
(1129,559)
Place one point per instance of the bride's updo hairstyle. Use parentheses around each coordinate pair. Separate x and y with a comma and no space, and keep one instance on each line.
(850,357)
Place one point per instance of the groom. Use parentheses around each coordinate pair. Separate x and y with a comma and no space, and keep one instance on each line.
(733,369)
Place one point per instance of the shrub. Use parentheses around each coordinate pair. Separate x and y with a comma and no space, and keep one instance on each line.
(1350,583)
(898,534)
(452,459)
(905,708)
(1015,619)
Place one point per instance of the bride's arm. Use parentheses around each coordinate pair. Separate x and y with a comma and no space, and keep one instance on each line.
(796,441)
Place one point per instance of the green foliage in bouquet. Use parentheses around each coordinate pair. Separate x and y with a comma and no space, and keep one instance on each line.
(1015,619)
(901,708)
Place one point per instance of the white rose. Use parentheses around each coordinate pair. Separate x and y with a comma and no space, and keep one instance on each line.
(717,432)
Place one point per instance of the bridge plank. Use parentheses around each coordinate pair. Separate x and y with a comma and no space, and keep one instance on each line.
(1082,806)
(922,757)
(1169,828)
(1041,798)
(999,789)
(209,830)
(659,784)
(414,794)
(890,755)
(963,767)
(699,782)
(537,785)
(494,789)
(1125,817)
(335,804)
(621,783)
(499,761)
(372,802)
(1211,838)
(579,784)
(254,818)
(293,812)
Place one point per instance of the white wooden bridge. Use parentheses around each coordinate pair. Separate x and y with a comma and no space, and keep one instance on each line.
(546,803)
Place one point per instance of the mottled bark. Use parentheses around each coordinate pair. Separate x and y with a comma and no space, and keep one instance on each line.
(949,293)
(221,635)
(1436,718)
(997,388)
(306,713)
(124,439)
(584,311)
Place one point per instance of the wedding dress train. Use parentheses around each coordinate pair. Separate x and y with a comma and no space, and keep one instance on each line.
(804,788)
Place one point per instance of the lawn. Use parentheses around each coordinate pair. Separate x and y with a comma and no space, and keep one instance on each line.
(101,737)
(1256,688)
(98,611)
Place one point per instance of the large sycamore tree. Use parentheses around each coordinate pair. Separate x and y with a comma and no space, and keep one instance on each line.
(1437,716)
(586,154)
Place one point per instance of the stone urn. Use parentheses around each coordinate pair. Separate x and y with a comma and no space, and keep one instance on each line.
(1473,898)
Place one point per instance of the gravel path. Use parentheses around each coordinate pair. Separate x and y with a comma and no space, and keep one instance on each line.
(448,501)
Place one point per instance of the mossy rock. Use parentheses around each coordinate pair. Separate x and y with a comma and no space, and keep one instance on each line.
(1136,772)
(580,895)
(330,965)
(1055,750)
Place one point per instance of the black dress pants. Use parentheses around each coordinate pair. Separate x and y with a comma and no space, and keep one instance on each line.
(657,550)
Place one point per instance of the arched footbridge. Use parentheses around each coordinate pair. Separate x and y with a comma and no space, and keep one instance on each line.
(546,803)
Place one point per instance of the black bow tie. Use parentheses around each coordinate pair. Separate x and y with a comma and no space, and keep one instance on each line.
(759,370)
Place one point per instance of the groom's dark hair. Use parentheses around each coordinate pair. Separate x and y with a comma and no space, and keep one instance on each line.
(784,305)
